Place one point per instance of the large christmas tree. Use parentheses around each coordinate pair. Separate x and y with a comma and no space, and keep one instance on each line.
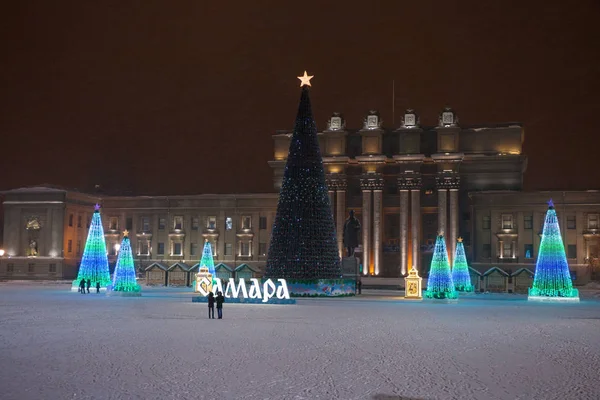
(207,259)
(124,276)
(303,242)
(552,277)
(460,269)
(94,264)
(439,284)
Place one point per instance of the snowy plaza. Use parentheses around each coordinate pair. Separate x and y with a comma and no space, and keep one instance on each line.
(56,344)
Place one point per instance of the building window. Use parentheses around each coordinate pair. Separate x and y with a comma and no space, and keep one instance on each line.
(129,223)
(571,222)
(177,249)
(507,221)
(262,249)
(70,219)
(246,222)
(69,246)
(486,251)
(245,249)
(528,251)
(144,248)
(213,246)
(211,222)
(178,223)
(572,251)
(262,223)
(162,224)
(228,224)
(228,249)
(79,221)
(528,222)
(78,248)
(10,268)
(31,268)
(145,224)
(113,223)
(195,223)
(487,221)
(193,249)
(592,221)
(506,249)
(52,268)
(161,248)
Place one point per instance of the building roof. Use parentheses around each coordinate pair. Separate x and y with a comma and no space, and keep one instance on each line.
(181,265)
(157,264)
(224,266)
(241,267)
(491,270)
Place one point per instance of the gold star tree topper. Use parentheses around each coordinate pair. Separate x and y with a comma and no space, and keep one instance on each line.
(305,80)
(125,233)
(459,240)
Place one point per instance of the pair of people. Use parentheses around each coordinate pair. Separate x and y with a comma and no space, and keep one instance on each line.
(83,284)
(220,299)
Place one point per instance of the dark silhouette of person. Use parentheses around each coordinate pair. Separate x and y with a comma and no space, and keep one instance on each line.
(82,286)
(351,231)
(89,283)
(220,301)
(211,305)
(97,287)
(359,286)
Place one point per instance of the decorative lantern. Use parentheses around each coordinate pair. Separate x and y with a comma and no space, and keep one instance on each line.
(204,285)
(412,283)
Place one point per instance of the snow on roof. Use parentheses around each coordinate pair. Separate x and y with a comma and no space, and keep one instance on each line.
(156,264)
(244,266)
(225,266)
(474,270)
(181,265)
(491,270)
(521,270)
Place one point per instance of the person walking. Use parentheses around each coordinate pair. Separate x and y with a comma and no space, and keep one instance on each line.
(211,305)
(89,283)
(97,287)
(220,301)
(82,286)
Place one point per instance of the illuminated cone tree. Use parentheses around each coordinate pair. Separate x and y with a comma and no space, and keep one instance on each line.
(439,284)
(552,276)
(303,242)
(207,259)
(206,269)
(124,276)
(94,263)
(460,270)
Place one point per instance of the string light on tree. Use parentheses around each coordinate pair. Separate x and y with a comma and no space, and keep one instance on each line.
(303,242)
(552,281)
(94,263)
(124,279)
(440,284)
(206,270)
(460,269)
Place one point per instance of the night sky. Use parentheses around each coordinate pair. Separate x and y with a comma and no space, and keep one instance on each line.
(177,97)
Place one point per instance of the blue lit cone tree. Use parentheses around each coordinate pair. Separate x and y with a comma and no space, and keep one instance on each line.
(440,284)
(552,277)
(303,242)
(124,281)
(94,263)
(460,270)
(206,269)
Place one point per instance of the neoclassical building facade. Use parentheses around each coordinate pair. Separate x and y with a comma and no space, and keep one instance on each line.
(405,184)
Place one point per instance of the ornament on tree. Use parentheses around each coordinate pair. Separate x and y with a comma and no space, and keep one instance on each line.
(439,283)
(303,242)
(94,263)
(552,279)
(460,269)
(124,279)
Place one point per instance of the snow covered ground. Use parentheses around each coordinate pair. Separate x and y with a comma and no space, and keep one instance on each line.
(55,344)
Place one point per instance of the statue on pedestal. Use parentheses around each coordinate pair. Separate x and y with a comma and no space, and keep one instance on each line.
(351,232)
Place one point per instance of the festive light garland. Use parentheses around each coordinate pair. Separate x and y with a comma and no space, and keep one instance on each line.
(552,276)
(439,284)
(124,276)
(94,263)
(460,270)
(303,241)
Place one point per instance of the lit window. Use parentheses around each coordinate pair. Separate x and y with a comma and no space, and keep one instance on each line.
(228,223)
(178,223)
(528,251)
(262,223)
(211,222)
(145,224)
(228,249)
(195,223)
(507,221)
(162,222)
(246,222)
(592,221)
(113,224)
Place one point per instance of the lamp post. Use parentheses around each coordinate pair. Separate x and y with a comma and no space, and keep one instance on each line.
(1,257)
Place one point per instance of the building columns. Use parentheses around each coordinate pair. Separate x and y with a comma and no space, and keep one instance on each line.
(331,194)
(415,200)
(442,217)
(377,214)
(340,219)
(366,228)
(403,232)
(453,234)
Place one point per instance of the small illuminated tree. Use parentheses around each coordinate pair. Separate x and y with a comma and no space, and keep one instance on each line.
(124,279)
(460,270)
(440,284)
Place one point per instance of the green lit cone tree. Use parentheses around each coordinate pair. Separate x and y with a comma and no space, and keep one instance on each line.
(460,270)
(124,279)
(303,242)
(94,263)
(439,283)
(552,277)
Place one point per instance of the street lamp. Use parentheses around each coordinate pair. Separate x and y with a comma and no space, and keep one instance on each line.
(1,255)
(117,247)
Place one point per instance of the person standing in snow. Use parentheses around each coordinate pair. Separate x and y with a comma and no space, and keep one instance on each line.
(211,305)
(82,286)
(220,301)
(97,287)
(89,283)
